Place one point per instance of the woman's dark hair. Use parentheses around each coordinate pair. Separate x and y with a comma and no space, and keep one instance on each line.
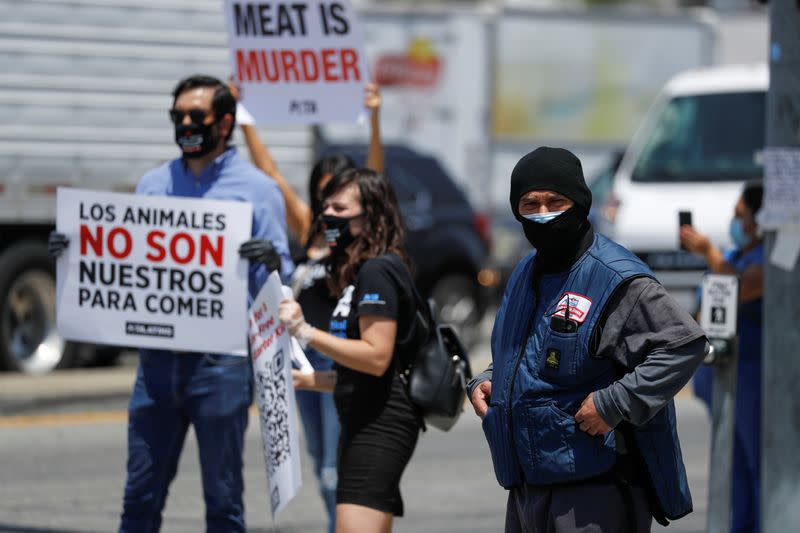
(223,103)
(330,164)
(383,229)
(752,195)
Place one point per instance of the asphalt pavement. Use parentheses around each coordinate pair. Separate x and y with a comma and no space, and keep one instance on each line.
(64,473)
(66,390)
(62,437)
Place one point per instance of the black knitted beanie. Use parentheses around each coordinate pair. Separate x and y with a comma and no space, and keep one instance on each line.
(552,169)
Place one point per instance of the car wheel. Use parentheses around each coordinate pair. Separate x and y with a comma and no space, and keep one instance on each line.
(457,304)
(29,341)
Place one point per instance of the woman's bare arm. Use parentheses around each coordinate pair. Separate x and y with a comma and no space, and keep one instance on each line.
(371,354)
(319,381)
(298,213)
(372,101)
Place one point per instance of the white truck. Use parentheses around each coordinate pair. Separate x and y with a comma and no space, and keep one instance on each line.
(85,87)
(703,138)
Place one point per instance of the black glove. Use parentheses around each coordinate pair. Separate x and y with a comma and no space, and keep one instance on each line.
(56,244)
(261,251)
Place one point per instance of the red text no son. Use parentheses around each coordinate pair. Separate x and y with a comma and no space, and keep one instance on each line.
(181,247)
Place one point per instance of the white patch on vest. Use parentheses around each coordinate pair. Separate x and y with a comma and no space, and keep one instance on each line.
(579,306)
(343,305)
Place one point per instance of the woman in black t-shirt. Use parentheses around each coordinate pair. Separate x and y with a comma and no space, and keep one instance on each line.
(369,331)
(309,281)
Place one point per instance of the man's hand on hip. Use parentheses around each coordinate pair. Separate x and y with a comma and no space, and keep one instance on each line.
(589,420)
(480,397)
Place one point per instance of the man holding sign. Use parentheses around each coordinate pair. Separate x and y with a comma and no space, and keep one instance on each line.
(208,390)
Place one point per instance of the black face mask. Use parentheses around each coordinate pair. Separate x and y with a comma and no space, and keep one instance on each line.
(195,140)
(558,238)
(337,233)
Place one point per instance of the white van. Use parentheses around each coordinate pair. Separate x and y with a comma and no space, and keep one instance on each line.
(701,140)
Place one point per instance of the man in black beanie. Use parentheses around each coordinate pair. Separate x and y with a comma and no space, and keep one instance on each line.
(588,350)
(544,184)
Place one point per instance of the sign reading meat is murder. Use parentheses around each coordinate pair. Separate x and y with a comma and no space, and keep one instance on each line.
(297,62)
(153,271)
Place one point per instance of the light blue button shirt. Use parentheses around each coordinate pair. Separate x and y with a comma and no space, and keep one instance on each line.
(229,177)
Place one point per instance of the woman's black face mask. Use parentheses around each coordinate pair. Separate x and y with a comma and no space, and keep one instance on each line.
(337,232)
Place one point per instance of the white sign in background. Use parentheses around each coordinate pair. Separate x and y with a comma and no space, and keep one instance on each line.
(781,188)
(719,305)
(297,62)
(152,271)
(272,369)
(781,209)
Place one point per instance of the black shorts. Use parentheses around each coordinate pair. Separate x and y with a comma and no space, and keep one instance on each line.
(373,454)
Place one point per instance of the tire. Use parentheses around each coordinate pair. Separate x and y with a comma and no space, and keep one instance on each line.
(458,304)
(29,341)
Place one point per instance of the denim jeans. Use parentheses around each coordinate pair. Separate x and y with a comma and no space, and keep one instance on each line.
(172,390)
(321,428)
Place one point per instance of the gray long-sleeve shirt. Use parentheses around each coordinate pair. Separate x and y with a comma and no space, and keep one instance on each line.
(645,331)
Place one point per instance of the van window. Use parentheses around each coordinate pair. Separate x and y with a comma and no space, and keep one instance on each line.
(710,137)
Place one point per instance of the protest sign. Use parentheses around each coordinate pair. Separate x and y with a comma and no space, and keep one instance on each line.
(272,369)
(297,62)
(152,271)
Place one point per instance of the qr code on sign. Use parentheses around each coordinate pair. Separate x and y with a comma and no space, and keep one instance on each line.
(274,410)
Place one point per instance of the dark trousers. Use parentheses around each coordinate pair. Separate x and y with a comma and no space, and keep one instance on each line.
(588,508)
(211,392)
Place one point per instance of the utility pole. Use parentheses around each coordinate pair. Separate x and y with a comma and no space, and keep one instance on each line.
(780,430)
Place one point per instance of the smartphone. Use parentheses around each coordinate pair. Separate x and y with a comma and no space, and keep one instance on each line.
(684,218)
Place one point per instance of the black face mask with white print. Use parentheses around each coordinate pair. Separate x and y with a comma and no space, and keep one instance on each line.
(195,140)
(337,233)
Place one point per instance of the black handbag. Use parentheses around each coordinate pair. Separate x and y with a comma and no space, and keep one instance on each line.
(437,378)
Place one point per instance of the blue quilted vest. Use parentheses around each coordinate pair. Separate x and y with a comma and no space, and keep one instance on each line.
(541,377)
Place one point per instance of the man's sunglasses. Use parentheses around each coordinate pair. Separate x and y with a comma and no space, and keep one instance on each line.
(196,115)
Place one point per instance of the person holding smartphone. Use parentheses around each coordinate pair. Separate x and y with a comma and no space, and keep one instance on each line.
(745,260)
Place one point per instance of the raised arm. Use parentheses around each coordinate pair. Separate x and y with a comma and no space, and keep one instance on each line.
(298,213)
(700,244)
(372,101)
(751,280)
